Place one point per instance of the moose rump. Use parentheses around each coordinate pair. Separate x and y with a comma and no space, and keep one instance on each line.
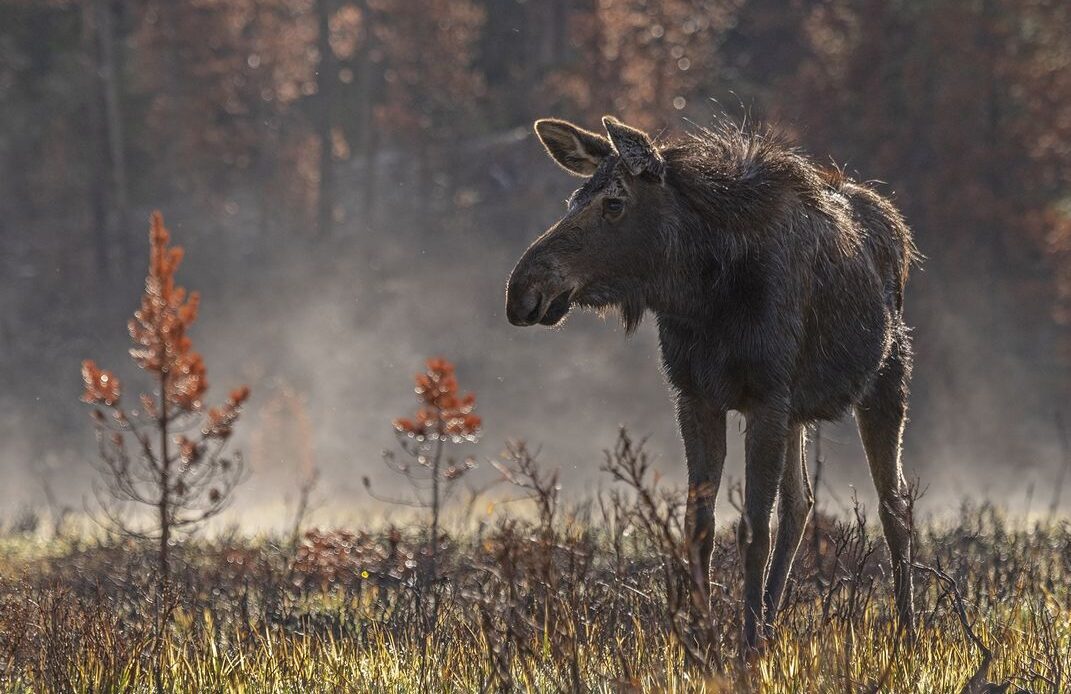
(778,293)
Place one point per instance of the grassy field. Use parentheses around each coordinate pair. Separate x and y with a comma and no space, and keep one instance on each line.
(551,597)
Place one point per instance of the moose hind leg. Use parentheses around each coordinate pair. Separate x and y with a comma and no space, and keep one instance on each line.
(794,508)
(881,416)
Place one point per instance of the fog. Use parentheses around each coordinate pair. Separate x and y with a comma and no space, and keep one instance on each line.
(344,324)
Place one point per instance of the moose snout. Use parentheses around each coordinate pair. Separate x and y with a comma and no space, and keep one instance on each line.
(524,305)
(530,304)
(538,290)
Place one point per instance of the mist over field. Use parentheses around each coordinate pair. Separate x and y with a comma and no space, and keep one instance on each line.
(341,321)
(346,329)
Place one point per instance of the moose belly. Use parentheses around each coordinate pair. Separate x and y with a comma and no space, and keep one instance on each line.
(828,371)
(838,359)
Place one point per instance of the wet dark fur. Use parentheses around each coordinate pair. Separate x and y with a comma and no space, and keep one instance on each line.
(778,290)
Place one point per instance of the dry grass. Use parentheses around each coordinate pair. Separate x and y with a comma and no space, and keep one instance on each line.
(571,598)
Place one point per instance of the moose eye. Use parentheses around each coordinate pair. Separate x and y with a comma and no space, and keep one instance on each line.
(613,206)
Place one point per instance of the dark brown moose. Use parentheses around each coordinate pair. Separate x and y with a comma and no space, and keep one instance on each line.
(778,292)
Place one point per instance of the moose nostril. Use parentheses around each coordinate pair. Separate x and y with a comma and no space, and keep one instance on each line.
(534,315)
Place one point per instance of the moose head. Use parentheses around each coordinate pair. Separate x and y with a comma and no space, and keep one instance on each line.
(605,251)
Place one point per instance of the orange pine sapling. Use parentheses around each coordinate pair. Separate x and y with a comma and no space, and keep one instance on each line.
(168,453)
(444,417)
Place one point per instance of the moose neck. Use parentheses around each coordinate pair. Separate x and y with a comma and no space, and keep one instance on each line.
(708,265)
(732,198)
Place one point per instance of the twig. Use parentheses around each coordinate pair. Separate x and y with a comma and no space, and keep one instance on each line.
(1061,431)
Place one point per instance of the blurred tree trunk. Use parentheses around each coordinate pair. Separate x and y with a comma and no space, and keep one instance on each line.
(107,62)
(326,75)
(660,50)
(371,177)
(989,41)
(559,33)
(370,57)
(97,140)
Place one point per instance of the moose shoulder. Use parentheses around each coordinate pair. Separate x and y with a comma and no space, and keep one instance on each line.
(778,293)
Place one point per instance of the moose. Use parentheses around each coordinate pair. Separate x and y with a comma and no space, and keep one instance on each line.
(777,288)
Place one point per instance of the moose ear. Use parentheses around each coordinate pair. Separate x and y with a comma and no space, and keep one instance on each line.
(576,150)
(634,147)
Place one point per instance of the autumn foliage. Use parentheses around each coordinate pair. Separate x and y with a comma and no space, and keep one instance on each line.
(101,387)
(443,411)
(183,476)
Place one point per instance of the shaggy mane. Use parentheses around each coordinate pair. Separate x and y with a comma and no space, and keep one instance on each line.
(741,179)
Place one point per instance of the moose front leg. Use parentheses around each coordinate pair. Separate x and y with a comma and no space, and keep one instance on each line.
(703,430)
(766,439)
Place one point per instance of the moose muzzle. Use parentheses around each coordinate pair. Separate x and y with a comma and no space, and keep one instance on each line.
(530,301)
